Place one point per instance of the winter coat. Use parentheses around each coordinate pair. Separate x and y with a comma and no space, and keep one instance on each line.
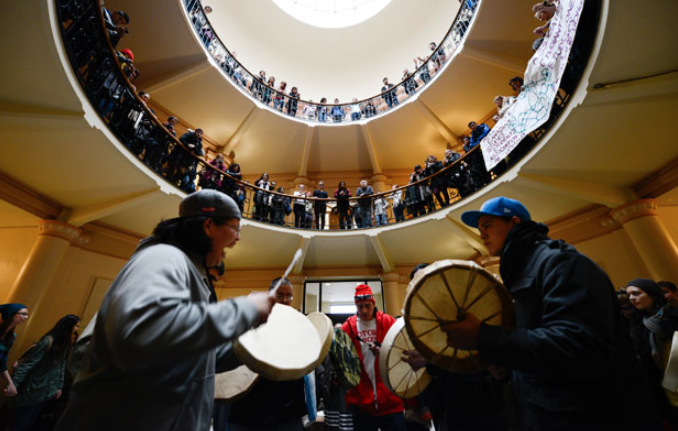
(156,346)
(362,396)
(39,375)
(570,351)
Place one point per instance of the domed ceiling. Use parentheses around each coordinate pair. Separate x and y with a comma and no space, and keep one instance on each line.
(332,62)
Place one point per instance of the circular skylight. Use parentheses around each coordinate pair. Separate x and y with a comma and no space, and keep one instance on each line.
(332,13)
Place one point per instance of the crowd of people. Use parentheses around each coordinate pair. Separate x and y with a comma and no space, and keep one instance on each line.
(37,388)
(278,97)
(150,354)
(183,166)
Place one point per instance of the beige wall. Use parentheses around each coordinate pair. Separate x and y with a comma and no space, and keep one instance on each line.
(71,288)
(617,256)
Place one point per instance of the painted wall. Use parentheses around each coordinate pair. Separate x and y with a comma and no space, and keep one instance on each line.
(616,254)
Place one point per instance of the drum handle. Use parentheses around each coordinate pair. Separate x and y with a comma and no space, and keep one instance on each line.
(295,260)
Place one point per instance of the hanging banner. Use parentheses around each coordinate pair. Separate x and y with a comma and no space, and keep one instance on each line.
(541,82)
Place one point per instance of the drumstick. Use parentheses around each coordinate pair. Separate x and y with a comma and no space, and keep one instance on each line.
(295,259)
(376,343)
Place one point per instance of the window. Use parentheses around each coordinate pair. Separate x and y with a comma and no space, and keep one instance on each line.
(335,297)
(332,13)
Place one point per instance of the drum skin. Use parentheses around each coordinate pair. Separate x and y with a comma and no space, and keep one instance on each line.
(233,385)
(397,374)
(442,293)
(323,325)
(286,347)
(345,359)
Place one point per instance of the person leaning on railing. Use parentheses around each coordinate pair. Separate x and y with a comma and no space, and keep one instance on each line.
(409,82)
(261,207)
(355,110)
(438,182)
(230,186)
(337,112)
(292,102)
(268,91)
(116,25)
(389,94)
(363,214)
(321,111)
(211,178)
(342,194)
(320,205)
(299,206)
(279,98)
(397,204)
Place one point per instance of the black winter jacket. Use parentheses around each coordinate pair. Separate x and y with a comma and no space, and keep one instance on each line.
(570,351)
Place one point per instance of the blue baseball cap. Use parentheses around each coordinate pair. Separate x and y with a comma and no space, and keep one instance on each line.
(500,207)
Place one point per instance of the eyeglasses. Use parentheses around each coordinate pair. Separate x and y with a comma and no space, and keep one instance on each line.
(363,297)
(284,297)
(235,228)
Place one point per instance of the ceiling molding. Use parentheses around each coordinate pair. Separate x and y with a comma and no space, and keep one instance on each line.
(583,224)
(658,182)
(22,196)
(80,216)
(464,232)
(308,143)
(437,123)
(382,253)
(369,145)
(177,75)
(590,192)
(242,129)
(513,64)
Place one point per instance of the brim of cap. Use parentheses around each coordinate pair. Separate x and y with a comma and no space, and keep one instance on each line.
(470,218)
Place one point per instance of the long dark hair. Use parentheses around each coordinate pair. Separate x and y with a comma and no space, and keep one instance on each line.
(188,233)
(62,335)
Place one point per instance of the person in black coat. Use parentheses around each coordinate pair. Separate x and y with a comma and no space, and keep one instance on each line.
(438,182)
(569,353)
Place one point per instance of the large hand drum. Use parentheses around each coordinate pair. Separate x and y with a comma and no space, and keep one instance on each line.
(397,374)
(234,384)
(286,347)
(442,293)
(323,325)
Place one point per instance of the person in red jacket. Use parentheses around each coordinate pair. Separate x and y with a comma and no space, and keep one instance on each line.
(374,406)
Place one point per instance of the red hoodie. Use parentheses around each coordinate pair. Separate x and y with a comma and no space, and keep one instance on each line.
(362,396)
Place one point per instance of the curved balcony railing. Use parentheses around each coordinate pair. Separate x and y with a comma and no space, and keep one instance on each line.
(326,113)
(103,79)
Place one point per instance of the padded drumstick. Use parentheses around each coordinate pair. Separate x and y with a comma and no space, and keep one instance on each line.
(295,260)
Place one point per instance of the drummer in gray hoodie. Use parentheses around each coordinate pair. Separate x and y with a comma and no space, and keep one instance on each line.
(160,335)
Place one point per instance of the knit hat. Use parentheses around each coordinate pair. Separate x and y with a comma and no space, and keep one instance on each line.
(128,53)
(648,286)
(209,203)
(9,310)
(363,292)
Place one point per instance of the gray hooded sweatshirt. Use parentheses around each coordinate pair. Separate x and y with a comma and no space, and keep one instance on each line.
(156,346)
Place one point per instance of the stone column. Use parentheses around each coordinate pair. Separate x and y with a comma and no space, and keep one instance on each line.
(42,263)
(298,289)
(648,233)
(303,180)
(35,278)
(378,182)
(394,293)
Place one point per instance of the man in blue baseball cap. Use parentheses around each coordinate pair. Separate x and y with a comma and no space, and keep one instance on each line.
(569,350)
